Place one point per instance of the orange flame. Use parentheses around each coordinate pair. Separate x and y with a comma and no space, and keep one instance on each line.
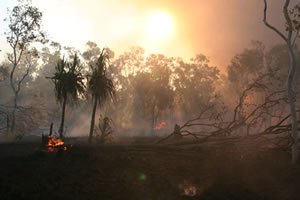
(53,142)
(160,126)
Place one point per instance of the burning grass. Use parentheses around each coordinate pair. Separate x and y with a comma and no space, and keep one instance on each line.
(53,144)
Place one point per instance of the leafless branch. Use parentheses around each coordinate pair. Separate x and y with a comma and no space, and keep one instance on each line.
(269,25)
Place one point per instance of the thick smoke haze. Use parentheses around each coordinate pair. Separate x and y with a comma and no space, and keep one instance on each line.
(218,29)
(217,50)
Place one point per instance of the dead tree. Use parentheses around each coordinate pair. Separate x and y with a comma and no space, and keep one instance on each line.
(211,124)
(289,42)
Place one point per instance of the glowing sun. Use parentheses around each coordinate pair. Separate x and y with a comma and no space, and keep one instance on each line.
(159,25)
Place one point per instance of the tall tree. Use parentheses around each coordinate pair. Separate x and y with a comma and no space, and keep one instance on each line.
(24,29)
(195,84)
(289,40)
(69,85)
(100,86)
(242,70)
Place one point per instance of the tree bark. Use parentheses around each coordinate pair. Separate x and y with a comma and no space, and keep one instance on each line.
(51,128)
(15,88)
(61,128)
(289,82)
(93,120)
(7,124)
(13,116)
(291,100)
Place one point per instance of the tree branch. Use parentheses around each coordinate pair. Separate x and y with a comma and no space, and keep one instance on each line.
(270,26)
(295,38)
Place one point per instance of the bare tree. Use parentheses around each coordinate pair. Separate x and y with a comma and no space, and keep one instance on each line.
(212,120)
(24,29)
(289,90)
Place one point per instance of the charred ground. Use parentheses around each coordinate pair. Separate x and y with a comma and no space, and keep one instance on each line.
(236,168)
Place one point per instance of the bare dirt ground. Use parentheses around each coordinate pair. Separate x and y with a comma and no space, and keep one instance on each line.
(238,169)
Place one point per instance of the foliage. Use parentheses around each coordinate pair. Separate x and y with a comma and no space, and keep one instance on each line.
(93,51)
(24,26)
(195,84)
(295,19)
(153,93)
(4,73)
(24,29)
(68,80)
(99,85)
(246,65)
(69,85)
(104,129)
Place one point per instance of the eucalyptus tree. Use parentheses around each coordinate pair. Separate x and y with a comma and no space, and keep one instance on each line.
(242,70)
(246,66)
(69,85)
(153,96)
(289,38)
(24,29)
(159,95)
(195,82)
(100,86)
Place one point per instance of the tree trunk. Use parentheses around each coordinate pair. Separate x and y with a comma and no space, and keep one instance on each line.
(93,120)
(153,122)
(7,124)
(51,128)
(289,82)
(291,100)
(13,116)
(61,128)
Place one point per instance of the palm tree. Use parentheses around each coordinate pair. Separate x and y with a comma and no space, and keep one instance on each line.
(100,86)
(69,85)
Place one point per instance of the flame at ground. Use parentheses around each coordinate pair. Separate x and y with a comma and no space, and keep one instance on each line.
(53,143)
(160,126)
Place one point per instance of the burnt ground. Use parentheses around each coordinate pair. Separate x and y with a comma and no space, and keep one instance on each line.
(227,171)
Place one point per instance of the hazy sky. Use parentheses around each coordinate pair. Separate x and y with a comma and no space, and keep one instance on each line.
(216,28)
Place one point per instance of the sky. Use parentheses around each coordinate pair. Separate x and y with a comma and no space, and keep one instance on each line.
(216,28)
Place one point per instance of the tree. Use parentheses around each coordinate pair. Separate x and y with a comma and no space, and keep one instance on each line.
(295,18)
(69,85)
(4,73)
(289,40)
(153,95)
(124,69)
(246,65)
(99,85)
(195,84)
(242,70)
(104,129)
(24,29)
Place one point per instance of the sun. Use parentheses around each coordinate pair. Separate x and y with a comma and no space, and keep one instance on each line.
(159,25)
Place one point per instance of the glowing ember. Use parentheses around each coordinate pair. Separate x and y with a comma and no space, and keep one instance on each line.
(160,126)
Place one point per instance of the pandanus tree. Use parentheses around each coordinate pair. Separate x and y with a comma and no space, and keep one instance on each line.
(100,86)
(69,85)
